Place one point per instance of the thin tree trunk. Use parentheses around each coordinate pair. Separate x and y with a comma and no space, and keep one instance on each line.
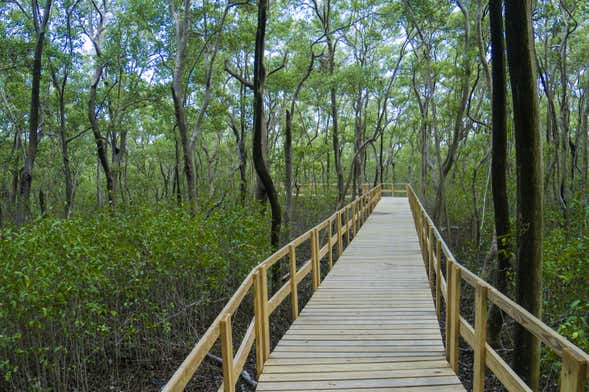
(100,140)
(498,168)
(260,130)
(24,193)
(530,224)
(182,25)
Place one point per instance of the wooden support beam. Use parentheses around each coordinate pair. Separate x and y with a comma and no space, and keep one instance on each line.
(573,373)
(329,245)
(265,313)
(259,322)
(294,297)
(227,353)
(348,225)
(314,259)
(455,318)
(449,302)
(480,338)
(438,277)
(340,239)
(430,257)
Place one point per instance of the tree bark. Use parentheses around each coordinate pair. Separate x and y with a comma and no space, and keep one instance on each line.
(498,165)
(99,138)
(182,25)
(260,130)
(530,211)
(24,192)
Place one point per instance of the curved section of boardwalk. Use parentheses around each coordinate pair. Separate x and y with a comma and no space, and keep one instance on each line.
(371,325)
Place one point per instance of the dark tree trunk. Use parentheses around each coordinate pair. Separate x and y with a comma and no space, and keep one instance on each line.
(176,187)
(339,171)
(498,168)
(530,224)
(260,130)
(287,173)
(100,140)
(26,178)
(182,26)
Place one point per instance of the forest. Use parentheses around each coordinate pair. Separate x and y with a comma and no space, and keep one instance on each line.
(153,152)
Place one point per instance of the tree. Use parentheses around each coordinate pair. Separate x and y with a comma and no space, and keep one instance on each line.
(530,188)
(40,21)
(499,162)
(260,130)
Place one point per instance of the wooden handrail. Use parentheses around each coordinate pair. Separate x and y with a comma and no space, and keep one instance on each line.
(258,332)
(575,362)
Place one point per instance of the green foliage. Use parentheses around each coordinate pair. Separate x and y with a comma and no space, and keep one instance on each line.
(566,273)
(76,292)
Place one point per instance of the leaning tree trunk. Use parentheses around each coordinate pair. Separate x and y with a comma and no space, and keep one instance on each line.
(182,31)
(528,143)
(260,130)
(24,192)
(498,168)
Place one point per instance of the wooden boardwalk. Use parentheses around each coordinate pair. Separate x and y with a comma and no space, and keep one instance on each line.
(371,325)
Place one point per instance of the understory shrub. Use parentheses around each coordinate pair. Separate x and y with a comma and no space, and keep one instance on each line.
(81,298)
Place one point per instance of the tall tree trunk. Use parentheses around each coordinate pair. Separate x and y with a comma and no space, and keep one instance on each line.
(177,182)
(287,173)
(339,171)
(182,25)
(100,140)
(260,130)
(24,193)
(530,209)
(584,131)
(498,168)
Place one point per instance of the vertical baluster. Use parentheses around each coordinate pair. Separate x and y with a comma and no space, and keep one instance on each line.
(227,353)
(313,259)
(348,225)
(449,302)
(266,315)
(480,337)
(438,277)
(573,373)
(329,245)
(294,295)
(259,322)
(430,256)
(340,247)
(455,319)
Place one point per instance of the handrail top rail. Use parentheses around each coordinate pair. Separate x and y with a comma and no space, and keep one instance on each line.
(193,360)
(534,325)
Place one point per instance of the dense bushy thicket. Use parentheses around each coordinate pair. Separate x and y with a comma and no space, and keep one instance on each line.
(81,298)
(566,274)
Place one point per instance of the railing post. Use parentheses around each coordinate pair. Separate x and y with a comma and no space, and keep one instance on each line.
(259,322)
(430,257)
(354,216)
(265,315)
(480,337)
(227,353)
(423,238)
(339,234)
(314,259)
(438,277)
(348,225)
(329,245)
(573,373)
(294,295)
(455,319)
(449,302)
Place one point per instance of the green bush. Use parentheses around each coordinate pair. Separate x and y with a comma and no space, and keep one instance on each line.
(81,296)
